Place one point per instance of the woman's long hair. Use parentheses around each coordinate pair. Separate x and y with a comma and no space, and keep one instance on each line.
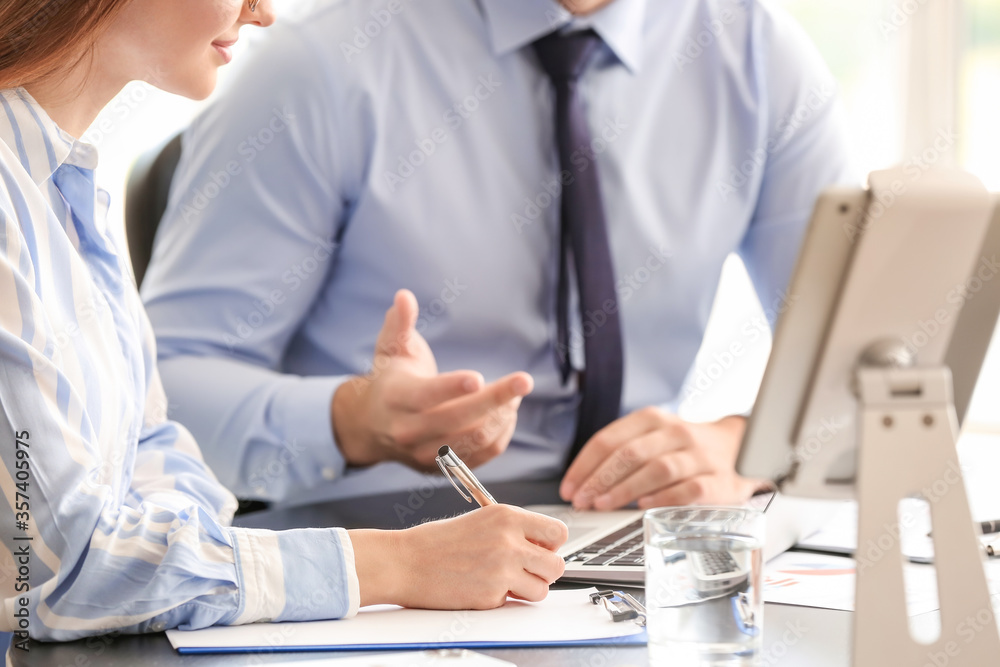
(40,37)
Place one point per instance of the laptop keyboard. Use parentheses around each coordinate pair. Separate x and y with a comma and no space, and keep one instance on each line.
(622,547)
(718,562)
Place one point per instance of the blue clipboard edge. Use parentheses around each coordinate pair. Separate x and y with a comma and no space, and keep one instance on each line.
(638,639)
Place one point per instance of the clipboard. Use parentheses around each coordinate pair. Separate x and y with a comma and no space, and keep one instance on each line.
(565,618)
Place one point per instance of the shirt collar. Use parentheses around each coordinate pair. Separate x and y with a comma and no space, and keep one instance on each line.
(514,24)
(40,145)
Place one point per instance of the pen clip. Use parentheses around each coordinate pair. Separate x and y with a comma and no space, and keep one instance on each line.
(452,466)
(446,469)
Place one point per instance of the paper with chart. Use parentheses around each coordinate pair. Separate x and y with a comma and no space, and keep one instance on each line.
(821,580)
(564,616)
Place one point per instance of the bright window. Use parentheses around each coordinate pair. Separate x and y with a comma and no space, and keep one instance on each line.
(979,152)
(871,49)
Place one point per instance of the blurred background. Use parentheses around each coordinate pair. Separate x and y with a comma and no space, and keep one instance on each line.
(909,71)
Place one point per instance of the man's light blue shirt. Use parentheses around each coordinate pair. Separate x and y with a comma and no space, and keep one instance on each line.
(372,146)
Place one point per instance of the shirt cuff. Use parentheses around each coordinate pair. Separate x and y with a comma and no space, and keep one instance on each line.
(259,575)
(295,575)
(351,569)
(303,404)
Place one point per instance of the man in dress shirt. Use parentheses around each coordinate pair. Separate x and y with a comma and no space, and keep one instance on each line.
(371,147)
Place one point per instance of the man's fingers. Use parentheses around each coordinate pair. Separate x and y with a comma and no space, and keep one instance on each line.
(596,450)
(660,472)
(399,325)
(714,489)
(689,491)
(492,437)
(458,415)
(485,440)
(407,311)
(509,387)
(426,393)
(618,466)
(725,488)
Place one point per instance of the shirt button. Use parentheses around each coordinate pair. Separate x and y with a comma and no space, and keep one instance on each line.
(159,626)
(329,473)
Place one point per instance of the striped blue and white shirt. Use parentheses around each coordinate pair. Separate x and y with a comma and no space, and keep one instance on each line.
(111,519)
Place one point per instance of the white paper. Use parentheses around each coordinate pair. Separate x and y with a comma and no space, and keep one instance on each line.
(828,582)
(979,457)
(438,658)
(562,616)
(840,534)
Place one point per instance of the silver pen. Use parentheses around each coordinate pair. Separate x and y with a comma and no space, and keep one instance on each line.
(993,549)
(453,468)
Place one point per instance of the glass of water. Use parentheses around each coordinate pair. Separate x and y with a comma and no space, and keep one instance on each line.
(704,602)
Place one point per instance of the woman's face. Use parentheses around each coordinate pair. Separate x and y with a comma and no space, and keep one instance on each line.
(177,45)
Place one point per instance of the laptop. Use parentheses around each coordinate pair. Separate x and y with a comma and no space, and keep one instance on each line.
(606,547)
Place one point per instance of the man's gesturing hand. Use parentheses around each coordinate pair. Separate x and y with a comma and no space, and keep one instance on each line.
(404,410)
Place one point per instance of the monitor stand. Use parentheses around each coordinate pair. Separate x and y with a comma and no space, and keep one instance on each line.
(907,431)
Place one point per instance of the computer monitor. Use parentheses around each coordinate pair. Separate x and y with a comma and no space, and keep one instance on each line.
(888,263)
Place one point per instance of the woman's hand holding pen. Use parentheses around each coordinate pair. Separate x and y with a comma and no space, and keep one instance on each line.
(405,410)
(469,562)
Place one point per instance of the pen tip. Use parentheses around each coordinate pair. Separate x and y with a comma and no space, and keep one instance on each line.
(444,450)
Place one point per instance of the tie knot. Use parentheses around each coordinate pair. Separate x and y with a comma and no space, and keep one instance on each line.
(565,56)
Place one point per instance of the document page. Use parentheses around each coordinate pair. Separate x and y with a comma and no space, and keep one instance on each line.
(564,616)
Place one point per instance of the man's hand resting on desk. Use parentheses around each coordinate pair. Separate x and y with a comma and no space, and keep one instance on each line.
(473,561)
(405,410)
(658,459)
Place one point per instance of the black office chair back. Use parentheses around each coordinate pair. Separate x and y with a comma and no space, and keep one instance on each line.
(146,194)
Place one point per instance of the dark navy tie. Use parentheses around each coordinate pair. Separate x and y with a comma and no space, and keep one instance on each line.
(584,242)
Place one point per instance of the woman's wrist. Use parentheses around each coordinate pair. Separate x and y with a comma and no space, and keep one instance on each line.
(381,566)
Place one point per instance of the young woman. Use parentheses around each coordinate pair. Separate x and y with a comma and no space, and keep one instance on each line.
(111,520)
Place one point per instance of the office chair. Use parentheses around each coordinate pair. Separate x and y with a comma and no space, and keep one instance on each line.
(146,193)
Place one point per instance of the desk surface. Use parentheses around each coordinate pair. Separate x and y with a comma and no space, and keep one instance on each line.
(793,636)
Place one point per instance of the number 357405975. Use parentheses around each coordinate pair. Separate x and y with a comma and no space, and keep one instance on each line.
(23,473)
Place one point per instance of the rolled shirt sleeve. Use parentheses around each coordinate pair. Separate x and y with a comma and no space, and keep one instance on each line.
(295,591)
